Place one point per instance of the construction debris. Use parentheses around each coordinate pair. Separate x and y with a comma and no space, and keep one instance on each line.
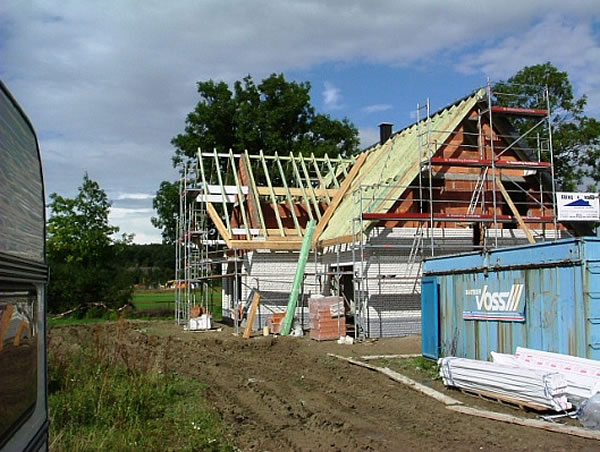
(537,389)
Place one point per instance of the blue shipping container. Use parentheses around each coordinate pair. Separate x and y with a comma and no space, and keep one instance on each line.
(544,296)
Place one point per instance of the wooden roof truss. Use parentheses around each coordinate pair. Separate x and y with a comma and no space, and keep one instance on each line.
(259,201)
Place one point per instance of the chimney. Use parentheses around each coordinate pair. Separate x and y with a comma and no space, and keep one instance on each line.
(385,131)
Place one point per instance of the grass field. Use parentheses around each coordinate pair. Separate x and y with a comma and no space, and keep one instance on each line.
(104,396)
(148,301)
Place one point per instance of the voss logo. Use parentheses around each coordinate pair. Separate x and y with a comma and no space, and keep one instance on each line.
(499,301)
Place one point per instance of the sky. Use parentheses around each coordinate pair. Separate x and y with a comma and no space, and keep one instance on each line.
(108,83)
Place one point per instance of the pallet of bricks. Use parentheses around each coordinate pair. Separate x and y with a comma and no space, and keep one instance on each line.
(327,320)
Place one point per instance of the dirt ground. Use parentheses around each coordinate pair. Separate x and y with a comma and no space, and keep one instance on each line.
(283,393)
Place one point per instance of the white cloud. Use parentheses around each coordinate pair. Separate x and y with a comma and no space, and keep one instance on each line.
(108,84)
(136,196)
(331,97)
(136,220)
(376,108)
(368,136)
(571,46)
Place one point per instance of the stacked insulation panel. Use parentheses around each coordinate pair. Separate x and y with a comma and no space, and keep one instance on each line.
(582,375)
(327,320)
(532,387)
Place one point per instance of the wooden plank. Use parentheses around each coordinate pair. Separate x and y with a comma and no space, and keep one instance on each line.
(240,195)
(288,196)
(310,186)
(446,400)
(336,241)
(320,177)
(265,245)
(254,197)
(218,171)
(216,219)
(251,315)
(331,172)
(299,181)
(338,197)
(515,212)
(404,356)
(534,423)
(272,194)
(280,191)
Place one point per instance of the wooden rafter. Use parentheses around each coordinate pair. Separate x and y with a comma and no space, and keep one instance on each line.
(301,186)
(216,219)
(255,199)
(240,195)
(339,196)
(288,196)
(223,193)
(515,211)
(272,194)
(320,177)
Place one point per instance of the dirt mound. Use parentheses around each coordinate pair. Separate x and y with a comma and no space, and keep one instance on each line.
(287,394)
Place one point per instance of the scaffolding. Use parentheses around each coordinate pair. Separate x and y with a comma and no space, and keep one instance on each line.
(233,203)
(475,163)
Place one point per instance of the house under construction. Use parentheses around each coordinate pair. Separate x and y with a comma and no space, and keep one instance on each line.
(457,180)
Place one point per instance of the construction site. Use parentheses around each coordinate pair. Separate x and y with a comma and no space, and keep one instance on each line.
(472,176)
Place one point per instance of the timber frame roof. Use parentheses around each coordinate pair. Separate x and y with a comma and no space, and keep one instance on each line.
(265,201)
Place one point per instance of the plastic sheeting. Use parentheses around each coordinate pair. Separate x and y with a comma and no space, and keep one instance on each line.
(582,375)
(530,386)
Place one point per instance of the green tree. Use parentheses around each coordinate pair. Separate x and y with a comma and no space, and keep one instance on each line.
(166,204)
(83,258)
(576,137)
(274,116)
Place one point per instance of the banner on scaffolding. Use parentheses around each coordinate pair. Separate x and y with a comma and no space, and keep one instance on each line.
(578,206)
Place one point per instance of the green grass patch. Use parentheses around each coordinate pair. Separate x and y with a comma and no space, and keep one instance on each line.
(413,367)
(103,398)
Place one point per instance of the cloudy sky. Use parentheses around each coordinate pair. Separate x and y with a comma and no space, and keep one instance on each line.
(108,83)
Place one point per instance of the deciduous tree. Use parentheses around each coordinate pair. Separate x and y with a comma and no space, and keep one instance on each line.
(83,257)
(576,137)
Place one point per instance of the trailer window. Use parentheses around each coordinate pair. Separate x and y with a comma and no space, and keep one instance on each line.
(18,357)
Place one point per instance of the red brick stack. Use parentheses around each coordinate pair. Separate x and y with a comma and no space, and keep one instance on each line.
(327,321)
(275,322)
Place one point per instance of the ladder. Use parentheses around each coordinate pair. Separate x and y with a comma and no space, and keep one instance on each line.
(477,192)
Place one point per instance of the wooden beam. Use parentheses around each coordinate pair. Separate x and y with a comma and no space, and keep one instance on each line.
(288,196)
(218,171)
(266,245)
(271,192)
(514,210)
(338,197)
(310,186)
(240,194)
(331,172)
(251,315)
(253,198)
(336,241)
(280,191)
(534,423)
(299,181)
(216,219)
(320,177)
